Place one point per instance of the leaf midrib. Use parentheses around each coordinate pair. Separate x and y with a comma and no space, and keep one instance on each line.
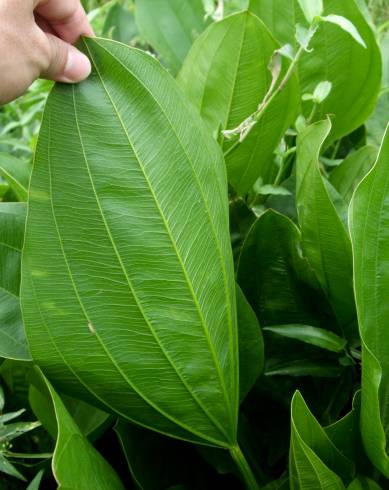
(233,350)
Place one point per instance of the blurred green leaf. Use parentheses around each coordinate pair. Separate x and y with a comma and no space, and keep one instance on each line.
(120,22)
(9,469)
(311,9)
(170,27)
(17,173)
(302,367)
(311,335)
(363,483)
(346,177)
(13,342)
(322,91)
(251,348)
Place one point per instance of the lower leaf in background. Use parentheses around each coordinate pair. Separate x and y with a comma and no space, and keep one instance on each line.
(17,173)
(275,278)
(170,27)
(314,461)
(90,420)
(13,343)
(251,348)
(369,226)
(72,450)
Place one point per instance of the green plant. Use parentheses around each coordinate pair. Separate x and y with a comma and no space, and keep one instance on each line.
(205,264)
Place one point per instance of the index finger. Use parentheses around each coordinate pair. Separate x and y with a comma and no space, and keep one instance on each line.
(67,18)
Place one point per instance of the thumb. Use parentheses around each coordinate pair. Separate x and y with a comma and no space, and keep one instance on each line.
(66,64)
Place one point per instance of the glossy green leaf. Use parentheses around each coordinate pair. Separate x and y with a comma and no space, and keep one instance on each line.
(127,268)
(369,218)
(13,342)
(311,335)
(170,27)
(355,72)
(17,173)
(314,461)
(251,348)
(226,77)
(325,241)
(76,463)
(351,171)
(272,273)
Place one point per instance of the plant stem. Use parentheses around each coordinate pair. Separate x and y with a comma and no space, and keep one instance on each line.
(244,468)
(269,97)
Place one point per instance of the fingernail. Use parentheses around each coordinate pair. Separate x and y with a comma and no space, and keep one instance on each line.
(77,68)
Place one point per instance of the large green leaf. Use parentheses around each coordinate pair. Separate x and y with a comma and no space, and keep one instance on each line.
(128,290)
(76,463)
(170,26)
(226,77)
(314,461)
(369,225)
(13,342)
(325,241)
(355,72)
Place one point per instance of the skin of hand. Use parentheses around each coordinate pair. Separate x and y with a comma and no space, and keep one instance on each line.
(36,38)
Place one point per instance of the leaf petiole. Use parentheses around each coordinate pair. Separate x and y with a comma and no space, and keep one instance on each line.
(244,468)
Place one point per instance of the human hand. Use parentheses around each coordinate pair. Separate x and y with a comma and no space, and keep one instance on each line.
(36,38)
